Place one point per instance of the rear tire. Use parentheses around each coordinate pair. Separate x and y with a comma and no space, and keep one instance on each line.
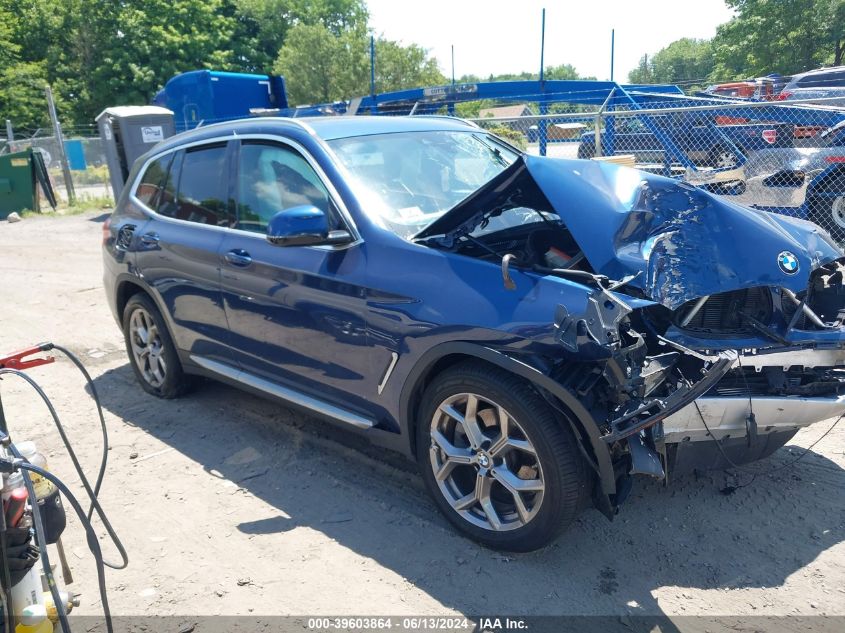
(510,475)
(151,351)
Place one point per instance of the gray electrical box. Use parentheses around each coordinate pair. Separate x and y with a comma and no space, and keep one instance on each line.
(129,132)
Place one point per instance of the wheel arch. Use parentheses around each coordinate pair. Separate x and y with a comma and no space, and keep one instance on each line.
(829,180)
(124,291)
(126,287)
(446,355)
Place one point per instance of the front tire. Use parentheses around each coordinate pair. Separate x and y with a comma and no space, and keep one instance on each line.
(829,213)
(151,351)
(498,460)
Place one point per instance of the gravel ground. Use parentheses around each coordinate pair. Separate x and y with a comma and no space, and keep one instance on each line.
(230,504)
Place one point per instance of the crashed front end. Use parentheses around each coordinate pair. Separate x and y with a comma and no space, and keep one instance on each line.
(790,371)
(703,320)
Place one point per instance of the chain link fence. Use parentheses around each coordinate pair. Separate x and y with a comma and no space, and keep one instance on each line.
(778,157)
(86,155)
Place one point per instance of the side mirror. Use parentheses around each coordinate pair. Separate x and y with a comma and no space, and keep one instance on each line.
(305,225)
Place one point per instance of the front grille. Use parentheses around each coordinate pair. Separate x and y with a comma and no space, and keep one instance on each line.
(727,312)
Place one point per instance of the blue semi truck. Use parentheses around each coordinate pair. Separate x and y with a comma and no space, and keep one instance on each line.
(207,96)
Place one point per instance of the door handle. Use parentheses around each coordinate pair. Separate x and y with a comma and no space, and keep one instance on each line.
(238,257)
(150,238)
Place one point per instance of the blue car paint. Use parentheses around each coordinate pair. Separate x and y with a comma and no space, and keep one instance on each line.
(352,308)
(680,241)
(312,294)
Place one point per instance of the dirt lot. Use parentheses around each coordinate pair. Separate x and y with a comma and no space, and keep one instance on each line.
(230,504)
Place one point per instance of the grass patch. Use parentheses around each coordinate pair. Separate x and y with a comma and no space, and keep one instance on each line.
(83,204)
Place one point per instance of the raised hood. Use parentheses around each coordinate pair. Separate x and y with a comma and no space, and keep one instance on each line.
(682,241)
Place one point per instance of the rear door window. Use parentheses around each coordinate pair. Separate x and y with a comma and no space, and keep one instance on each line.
(203,189)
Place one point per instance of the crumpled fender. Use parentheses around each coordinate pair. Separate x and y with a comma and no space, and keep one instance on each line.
(685,242)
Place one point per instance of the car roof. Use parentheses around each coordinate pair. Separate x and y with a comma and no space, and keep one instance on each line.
(327,128)
(818,71)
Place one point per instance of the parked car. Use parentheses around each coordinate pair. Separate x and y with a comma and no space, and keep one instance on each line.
(533,331)
(819,78)
(833,96)
(822,83)
(700,139)
(741,89)
(760,89)
(806,182)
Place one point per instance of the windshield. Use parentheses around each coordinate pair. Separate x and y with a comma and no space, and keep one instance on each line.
(407,180)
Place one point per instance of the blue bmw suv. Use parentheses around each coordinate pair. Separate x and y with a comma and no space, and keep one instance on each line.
(534,332)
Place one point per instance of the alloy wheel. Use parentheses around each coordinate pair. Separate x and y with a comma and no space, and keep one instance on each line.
(147,347)
(484,464)
(725,159)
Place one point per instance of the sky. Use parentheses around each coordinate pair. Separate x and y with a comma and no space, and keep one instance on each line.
(495,36)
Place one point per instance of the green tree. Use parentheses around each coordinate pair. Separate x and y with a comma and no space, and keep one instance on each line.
(21,82)
(144,44)
(320,65)
(399,67)
(643,73)
(684,61)
(786,36)
(99,53)
(262,26)
(561,72)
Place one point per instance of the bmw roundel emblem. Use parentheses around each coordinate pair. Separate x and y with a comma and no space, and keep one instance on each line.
(788,263)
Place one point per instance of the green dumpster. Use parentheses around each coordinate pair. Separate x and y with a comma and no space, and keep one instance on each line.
(23,177)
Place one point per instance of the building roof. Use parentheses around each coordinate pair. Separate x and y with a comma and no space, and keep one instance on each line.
(505,112)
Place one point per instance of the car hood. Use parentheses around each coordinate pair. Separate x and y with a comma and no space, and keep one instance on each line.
(681,242)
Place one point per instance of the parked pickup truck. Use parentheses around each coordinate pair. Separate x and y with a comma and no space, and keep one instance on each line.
(703,142)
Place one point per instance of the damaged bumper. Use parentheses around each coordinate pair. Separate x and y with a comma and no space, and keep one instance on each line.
(651,412)
(727,417)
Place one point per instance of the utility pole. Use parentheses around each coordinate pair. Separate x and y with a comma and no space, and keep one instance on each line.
(57,132)
(372,65)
